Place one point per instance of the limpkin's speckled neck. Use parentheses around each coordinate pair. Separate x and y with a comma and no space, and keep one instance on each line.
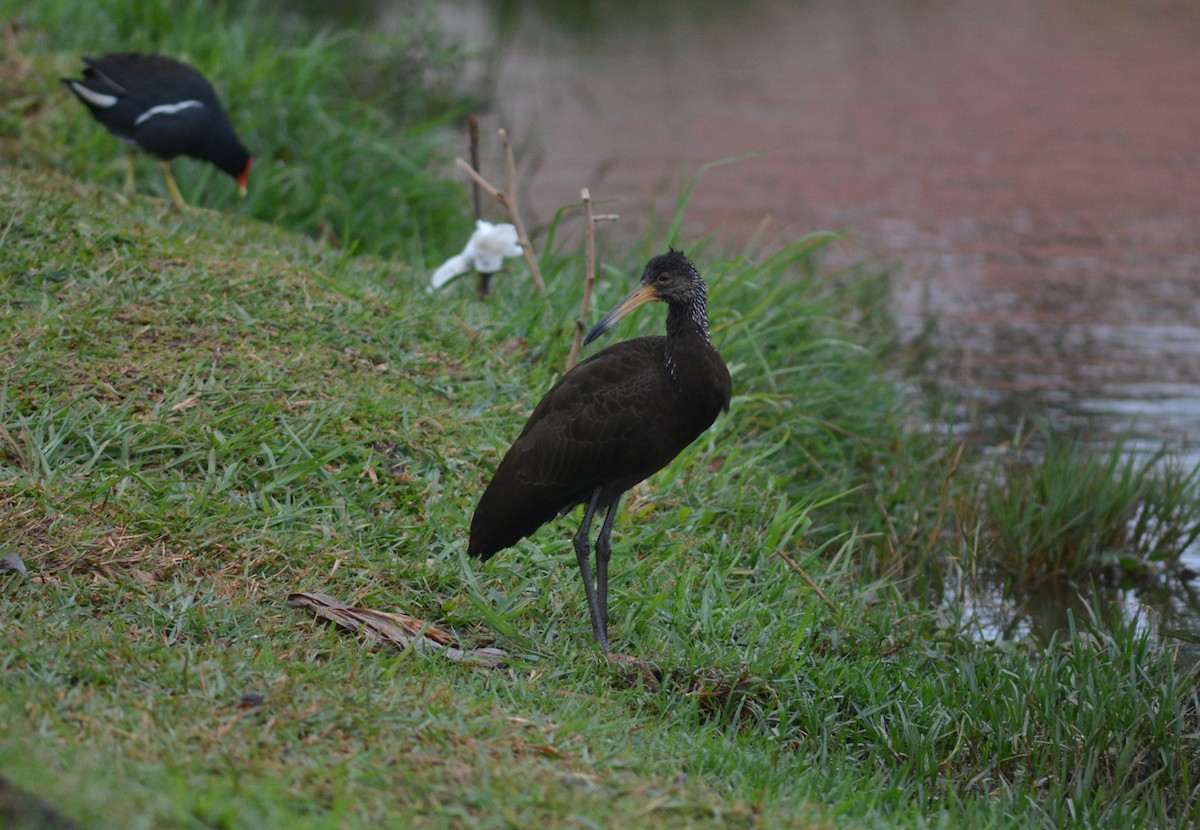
(689,319)
(687,328)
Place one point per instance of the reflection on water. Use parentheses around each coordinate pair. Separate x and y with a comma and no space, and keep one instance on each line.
(1167,609)
(1031,168)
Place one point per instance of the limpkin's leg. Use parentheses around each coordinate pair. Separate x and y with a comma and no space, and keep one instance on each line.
(176,196)
(131,173)
(583,555)
(603,553)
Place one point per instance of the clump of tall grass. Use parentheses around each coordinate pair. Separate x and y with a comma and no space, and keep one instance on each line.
(330,161)
(1075,509)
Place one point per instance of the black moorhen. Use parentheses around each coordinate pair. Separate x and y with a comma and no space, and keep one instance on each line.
(163,107)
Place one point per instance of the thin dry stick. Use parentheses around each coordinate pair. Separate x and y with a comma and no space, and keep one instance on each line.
(589,276)
(476,194)
(515,212)
(792,564)
(589,280)
(482,182)
(473,137)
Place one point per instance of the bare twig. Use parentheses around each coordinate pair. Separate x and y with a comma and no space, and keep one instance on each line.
(808,579)
(485,280)
(589,280)
(589,276)
(515,212)
(473,138)
(498,195)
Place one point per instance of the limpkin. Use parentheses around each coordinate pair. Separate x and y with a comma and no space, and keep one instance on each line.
(610,422)
(162,107)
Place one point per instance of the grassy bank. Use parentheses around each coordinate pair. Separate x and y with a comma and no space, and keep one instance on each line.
(203,412)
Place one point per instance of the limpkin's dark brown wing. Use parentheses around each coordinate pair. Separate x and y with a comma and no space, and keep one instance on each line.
(609,423)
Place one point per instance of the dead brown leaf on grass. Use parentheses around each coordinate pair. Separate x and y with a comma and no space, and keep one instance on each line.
(144,577)
(400,630)
(634,671)
(186,403)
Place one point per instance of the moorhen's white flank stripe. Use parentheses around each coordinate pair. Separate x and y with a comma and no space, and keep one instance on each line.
(166,109)
(96,98)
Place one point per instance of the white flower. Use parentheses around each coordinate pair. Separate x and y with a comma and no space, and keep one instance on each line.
(485,253)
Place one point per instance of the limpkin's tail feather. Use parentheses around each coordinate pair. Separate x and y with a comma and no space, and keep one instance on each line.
(509,511)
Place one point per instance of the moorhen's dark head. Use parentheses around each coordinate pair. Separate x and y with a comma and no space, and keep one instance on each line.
(231,156)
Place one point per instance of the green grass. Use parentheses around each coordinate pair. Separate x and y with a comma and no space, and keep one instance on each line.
(203,412)
(192,437)
(1075,510)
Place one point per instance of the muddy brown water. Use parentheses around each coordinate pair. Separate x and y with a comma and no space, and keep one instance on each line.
(1030,168)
